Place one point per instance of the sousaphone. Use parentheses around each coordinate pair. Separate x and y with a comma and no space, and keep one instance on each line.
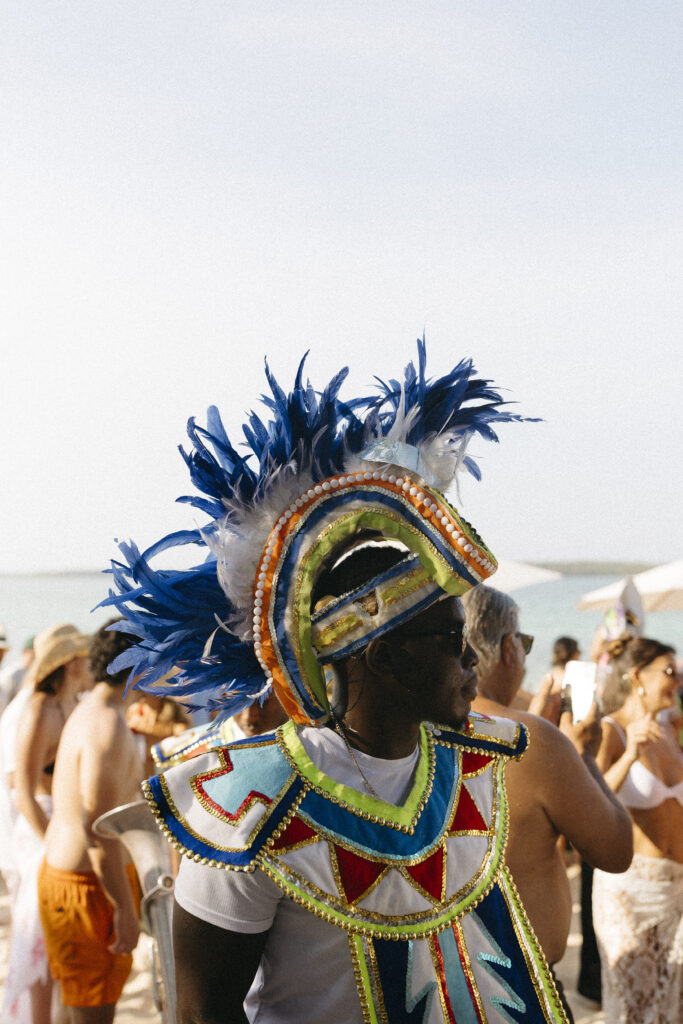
(152,857)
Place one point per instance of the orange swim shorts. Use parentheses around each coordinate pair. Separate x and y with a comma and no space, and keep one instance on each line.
(77,920)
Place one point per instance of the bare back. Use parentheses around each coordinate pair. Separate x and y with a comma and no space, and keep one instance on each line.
(98,768)
(552,793)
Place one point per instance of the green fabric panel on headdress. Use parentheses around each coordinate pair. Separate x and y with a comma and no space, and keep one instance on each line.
(389,524)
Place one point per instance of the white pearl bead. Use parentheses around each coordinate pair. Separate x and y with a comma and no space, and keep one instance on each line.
(392,479)
(334,483)
(360,476)
(318,489)
(461,541)
(449,528)
(367,476)
(326,485)
(468,548)
(399,481)
(420,496)
(376,476)
(413,491)
(405,486)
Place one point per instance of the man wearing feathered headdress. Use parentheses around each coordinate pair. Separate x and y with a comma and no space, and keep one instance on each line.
(350,866)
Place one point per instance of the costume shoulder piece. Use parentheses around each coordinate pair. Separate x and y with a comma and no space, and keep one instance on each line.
(430,874)
(246,804)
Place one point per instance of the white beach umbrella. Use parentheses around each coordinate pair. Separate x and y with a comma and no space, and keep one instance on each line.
(660,589)
(515,575)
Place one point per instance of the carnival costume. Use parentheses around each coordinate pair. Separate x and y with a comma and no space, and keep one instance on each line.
(407,898)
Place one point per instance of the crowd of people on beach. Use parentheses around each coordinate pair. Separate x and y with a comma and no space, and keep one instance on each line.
(396,849)
(50,729)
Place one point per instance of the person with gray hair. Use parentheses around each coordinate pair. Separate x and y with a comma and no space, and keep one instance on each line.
(493,627)
(556,789)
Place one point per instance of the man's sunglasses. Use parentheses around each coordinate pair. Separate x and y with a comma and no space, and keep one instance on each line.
(458,637)
(526,640)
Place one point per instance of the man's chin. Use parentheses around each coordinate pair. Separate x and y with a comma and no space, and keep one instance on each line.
(457,722)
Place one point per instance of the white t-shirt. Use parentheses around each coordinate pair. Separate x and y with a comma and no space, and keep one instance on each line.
(252,902)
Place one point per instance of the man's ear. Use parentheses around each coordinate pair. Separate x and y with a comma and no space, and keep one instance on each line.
(339,697)
(508,654)
(379,656)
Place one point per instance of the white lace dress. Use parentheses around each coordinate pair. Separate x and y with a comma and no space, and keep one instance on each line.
(638,918)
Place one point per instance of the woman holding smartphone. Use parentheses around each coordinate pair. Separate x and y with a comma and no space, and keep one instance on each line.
(639,914)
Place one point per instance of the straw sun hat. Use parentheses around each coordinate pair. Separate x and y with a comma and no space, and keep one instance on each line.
(55,647)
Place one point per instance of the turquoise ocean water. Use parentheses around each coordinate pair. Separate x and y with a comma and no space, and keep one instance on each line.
(32,602)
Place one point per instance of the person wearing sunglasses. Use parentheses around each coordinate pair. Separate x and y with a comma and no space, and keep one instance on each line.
(556,789)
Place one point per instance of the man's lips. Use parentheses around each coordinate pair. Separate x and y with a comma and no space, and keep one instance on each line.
(470,688)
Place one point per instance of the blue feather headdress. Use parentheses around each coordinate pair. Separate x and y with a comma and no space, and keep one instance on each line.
(227,625)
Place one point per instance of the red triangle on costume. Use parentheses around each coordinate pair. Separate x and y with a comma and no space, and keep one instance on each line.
(356,873)
(429,874)
(473,763)
(296,832)
(467,817)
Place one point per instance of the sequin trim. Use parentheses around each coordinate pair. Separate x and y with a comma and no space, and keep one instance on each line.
(403,819)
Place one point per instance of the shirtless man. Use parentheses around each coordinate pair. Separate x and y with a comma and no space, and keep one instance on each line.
(556,789)
(85,884)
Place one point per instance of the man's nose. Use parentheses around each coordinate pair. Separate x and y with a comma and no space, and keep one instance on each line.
(470,657)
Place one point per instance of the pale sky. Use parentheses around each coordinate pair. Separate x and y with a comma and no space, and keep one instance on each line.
(187,187)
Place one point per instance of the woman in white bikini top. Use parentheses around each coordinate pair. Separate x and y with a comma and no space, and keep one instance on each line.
(642,788)
(639,756)
(638,915)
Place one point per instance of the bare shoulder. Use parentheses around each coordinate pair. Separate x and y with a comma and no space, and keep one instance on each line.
(40,714)
(104,727)
(611,733)
(549,754)
(36,706)
(542,733)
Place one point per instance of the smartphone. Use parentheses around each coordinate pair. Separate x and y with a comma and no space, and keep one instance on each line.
(579,687)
